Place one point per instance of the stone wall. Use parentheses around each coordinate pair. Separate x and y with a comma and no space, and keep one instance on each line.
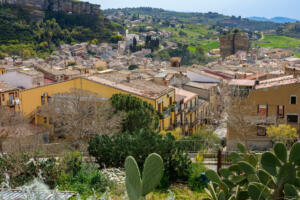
(234,42)
(68,6)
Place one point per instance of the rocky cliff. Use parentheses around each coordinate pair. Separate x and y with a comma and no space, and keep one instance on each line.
(233,42)
(66,6)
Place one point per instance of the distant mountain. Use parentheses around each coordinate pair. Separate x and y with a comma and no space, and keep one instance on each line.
(210,18)
(281,20)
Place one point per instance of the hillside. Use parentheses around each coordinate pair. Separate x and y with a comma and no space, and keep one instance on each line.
(210,18)
(274,19)
(32,30)
(290,30)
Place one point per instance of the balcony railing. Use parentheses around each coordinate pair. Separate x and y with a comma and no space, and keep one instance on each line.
(177,108)
(166,113)
(261,119)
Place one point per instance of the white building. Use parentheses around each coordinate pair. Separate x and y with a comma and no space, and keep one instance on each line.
(25,78)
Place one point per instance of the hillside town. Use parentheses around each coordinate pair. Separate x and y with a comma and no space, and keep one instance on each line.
(144,105)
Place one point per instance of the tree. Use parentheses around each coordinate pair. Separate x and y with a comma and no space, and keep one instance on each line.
(112,151)
(116,38)
(81,114)
(139,114)
(241,115)
(283,133)
(10,118)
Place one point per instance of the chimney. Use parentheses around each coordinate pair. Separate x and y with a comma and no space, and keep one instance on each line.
(294,73)
(165,82)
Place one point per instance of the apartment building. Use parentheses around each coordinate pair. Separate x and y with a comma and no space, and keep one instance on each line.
(24,78)
(105,85)
(270,102)
(9,96)
(189,111)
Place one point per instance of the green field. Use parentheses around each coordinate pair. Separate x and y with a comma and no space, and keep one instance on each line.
(279,42)
(194,35)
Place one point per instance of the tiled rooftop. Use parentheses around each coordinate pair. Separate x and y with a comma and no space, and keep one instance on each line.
(6,87)
(135,86)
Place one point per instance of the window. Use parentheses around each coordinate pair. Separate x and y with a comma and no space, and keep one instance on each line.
(261,131)
(45,120)
(3,97)
(50,120)
(170,101)
(293,99)
(292,118)
(262,110)
(49,99)
(159,107)
(43,100)
(280,111)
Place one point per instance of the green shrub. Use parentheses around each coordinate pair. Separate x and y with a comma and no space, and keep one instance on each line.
(195,181)
(87,179)
(112,151)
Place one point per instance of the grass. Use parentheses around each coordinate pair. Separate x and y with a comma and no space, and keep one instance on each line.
(297,54)
(195,35)
(181,192)
(279,42)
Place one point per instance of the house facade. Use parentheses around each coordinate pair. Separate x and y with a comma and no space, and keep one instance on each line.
(162,98)
(270,102)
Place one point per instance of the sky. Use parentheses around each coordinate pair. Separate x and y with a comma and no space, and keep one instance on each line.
(244,8)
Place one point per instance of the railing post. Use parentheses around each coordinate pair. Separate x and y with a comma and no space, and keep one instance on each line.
(219,156)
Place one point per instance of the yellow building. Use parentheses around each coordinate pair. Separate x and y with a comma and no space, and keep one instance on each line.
(2,70)
(162,98)
(9,96)
(269,102)
(188,111)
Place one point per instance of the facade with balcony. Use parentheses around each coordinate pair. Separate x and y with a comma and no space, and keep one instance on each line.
(187,110)
(9,96)
(268,102)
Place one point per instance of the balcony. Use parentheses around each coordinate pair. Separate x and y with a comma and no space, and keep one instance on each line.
(11,102)
(165,113)
(194,123)
(177,108)
(193,108)
(262,120)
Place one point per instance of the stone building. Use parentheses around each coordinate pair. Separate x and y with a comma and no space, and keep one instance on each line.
(231,43)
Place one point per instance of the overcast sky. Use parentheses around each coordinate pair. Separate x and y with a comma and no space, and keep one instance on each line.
(244,8)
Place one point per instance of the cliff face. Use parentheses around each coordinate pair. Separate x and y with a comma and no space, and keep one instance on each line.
(67,6)
(234,42)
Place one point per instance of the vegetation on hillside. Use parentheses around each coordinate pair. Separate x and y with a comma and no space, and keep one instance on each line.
(277,41)
(289,29)
(20,35)
(210,18)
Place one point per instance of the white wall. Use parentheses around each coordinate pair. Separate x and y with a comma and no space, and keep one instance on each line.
(17,79)
(193,76)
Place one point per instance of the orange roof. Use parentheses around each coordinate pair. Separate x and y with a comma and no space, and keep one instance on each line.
(256,76)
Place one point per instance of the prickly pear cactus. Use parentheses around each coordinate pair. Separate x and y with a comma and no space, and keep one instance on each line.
(138,187)
(277,176)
